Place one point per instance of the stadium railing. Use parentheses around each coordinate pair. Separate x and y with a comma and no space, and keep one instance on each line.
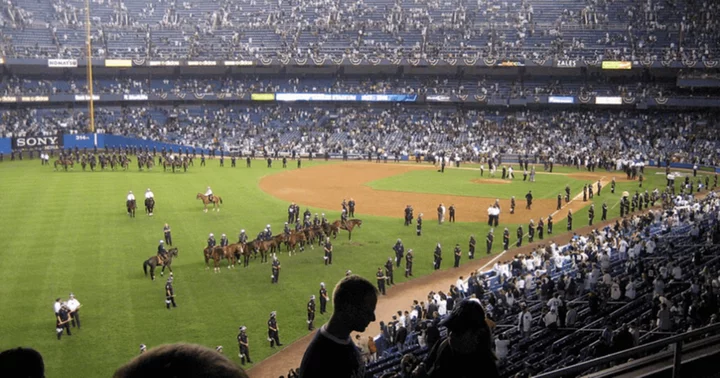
(578,369)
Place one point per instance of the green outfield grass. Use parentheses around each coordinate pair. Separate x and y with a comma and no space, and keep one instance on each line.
(68,231)
(460,182)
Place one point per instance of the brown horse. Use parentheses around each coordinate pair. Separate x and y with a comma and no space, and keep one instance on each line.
(216,201)
(240,250)
(65,163)
(131,205)
(261,246)
(277,242)
(152,262)
(348,226)
(330,229)
(293,240)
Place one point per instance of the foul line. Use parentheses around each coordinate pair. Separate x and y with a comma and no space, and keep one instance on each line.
(577,197)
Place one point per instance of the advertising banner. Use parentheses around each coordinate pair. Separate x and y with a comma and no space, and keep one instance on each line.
(36,142)
(612,65)
(62,63)
(609,100)
(561,100)
(79,140)
(262,97)
(437,98)
(120,63)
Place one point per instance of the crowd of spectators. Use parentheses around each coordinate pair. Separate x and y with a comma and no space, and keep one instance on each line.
(622,286)
(320,29)
(422,85)
(687,137)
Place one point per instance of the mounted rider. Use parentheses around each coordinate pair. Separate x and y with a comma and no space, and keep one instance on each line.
(130,198)
(209,194)
(242,238)
(316,220)
(344,217)
(323,220)
(161,253)
(286,230)
(224,241)
(306,222)
(211,241)
(268,233)
(149,194)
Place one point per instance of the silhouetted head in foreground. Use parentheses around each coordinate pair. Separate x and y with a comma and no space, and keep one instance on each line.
(179,361)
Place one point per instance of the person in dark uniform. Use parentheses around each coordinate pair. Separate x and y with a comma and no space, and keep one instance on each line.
(161,253)
(273,330)
(286,229)
(512,205)
(389,279)
(612,186)
(351,208)
(550,224)
(531,231)
(233,161)
(452,213)
(244,346)
(222,161)
(269,162)
(168,235)
(248,162)
(399,249)
(380,280)
(437,256)
(591,214)
(202,159)
(169,293)
(408,263)
(471,247)
(569,220)
(62,321)
(275,270)
(299,162)
(590,191)
(528,199)
(408,215)
(567,193)
(323,295)
(311,313)
(585,192)
(242,237)
(328,248)
(457,252)
(540,228)
(519,235)
(641,177)
(224,241)
(599,187)
(559,201)
(506,239)
(284,161)
(211,241)
(418,228)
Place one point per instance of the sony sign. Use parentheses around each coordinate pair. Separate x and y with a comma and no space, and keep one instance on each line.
(34,142)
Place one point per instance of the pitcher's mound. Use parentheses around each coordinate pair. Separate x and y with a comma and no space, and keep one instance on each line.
(491,181)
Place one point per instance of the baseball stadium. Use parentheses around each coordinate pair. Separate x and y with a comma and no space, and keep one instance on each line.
(395,189)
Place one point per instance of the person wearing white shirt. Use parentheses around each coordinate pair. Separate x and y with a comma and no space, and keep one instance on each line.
(442,307)
(615,291)
(460,285)
(57,305)
(74,306)
(630,290)
(149,194)
(525,323)
(551,318)
(130,196)
(501,347)
(209,193)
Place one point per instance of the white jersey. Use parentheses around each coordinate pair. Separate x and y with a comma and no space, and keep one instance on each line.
(131,197)
(149,195)
(208,193)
